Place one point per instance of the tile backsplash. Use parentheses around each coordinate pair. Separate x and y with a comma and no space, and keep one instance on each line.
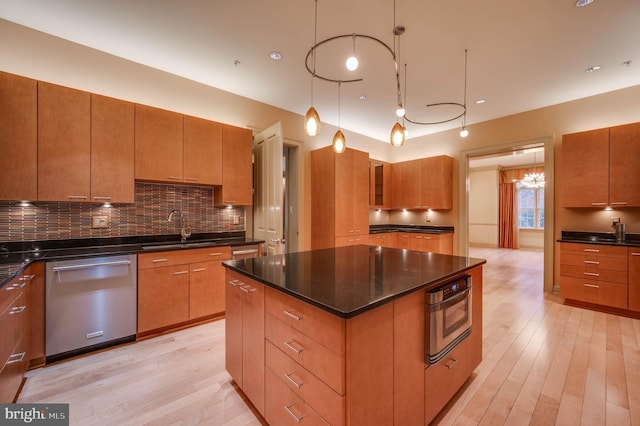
(147,216)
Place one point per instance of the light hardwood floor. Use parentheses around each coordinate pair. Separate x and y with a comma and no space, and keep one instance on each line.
(544,363)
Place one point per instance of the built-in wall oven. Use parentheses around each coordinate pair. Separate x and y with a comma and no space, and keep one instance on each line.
(447,318)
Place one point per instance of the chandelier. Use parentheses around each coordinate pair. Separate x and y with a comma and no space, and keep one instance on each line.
(398,129)
(533,180)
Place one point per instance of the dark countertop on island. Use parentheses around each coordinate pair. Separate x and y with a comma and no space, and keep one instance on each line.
(603,238)
(17,255)
(423,229)
(347,281)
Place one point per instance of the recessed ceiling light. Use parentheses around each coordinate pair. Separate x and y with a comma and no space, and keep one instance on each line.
(480,101)
(593,68)
(583,3)
(276,56)
(363,97)
(627,63)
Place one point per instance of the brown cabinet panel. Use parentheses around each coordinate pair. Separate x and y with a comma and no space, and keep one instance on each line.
(202,151)
(411,188)
(624,165)
(158,144)
(112,150)
(206,289)
(634,279)
(237,167)
(163,297)
(34,275)
(436,178)
(593,291)
(234,301)
(18,137)
(64,143)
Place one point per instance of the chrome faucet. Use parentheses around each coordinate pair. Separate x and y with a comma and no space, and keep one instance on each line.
(185,231)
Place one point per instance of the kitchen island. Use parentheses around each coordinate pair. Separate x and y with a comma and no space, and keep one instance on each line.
(338,335)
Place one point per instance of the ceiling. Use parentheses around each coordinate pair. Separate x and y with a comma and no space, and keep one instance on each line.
(521,55)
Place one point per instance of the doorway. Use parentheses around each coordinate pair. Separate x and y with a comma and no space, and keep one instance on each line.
(476,225)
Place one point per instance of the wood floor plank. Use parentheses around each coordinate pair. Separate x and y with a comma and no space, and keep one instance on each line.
(544,363)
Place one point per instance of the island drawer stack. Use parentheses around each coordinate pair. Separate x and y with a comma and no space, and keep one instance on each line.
(305,368)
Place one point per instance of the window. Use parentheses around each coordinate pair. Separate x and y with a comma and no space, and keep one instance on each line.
(530,208)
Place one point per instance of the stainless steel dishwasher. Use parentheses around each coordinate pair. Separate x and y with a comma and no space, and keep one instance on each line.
(91,303)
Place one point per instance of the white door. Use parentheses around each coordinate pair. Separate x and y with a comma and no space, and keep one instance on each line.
(268,214)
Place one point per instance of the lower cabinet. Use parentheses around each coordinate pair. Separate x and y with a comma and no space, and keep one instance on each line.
(244,336)
(634,278)
(436,243)
(176,287)
(14,336)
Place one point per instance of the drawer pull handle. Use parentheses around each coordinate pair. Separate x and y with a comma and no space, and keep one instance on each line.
(215,254)
(453,362)
(592,250)
(236,283)
(198,269)
(635,254)
(17,310)
(174,177)
(27,278)
(16,286)
(160,260)
(191,179)
(592,274)
(293,348)
(592,262)
(292,315)
(16,358)
(180,272)
(296,384)
(295,418)
(591,285)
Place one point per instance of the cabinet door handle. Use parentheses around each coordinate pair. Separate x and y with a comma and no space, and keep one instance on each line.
(246,288)
(180,272)
(592,250)
(592,262)
(591,285)
(100,198)
(77,197)
(295,418)
(236,283)
(619,203)
(27,277)
(160,260)
(215,254)
(592,274)
(599,204)
(191,179)
(229,202)
(198,269)
(15,286)
(453,362)
(635,254)
(174,177)
(17,310)
(16,358)
(292,315)
(296,384)
(289,345)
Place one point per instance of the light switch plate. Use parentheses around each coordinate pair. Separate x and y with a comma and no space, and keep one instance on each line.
(99,222)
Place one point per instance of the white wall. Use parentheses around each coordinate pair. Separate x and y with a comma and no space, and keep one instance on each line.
(483,206)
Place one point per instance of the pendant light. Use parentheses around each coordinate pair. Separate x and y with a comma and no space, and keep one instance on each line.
(464,132)
(311,118)
(352,61)
(339,142)
(397,135)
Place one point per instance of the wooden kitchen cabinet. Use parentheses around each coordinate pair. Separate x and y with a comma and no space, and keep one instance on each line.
(64,144)
(34,276)
(202,151)
(436,178)
(158,144)
(436,243)
(379,184)
(340,204)
(178,287)
(383,239)
(19,136)
(410,193)
(237,167)
(244,336)
(14,336)
(601,167)
(634,278)
(624,165)
(112,150)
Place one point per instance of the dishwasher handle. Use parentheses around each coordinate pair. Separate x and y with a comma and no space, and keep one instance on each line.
(90,265)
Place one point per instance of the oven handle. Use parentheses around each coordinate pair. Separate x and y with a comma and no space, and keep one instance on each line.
(455,298)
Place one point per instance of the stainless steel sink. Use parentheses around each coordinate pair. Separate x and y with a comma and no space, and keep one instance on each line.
(175,246)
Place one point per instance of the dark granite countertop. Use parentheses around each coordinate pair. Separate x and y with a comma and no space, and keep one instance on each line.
(15,256)
(425,229)
(347,281)
(605,238)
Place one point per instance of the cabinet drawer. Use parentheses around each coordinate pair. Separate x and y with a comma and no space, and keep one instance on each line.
(182,257)
(442,380)
(284,407)
(594,274)
(324,328)
(592,291)
(617,263)
(209,253)
(312,390)
(13,321)
(594,249)
(11,291)
(323,363)
(13,368)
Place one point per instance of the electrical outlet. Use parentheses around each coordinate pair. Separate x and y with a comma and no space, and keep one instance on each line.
(615,219)
(99,222)
(428,217)
(236,219)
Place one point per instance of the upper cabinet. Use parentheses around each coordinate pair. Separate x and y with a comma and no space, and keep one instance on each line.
(425,183)
(18,137)
(379,184)
(237,167)
(112,150)
(64,143)
(202,147)
(606,160)
(158,137)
